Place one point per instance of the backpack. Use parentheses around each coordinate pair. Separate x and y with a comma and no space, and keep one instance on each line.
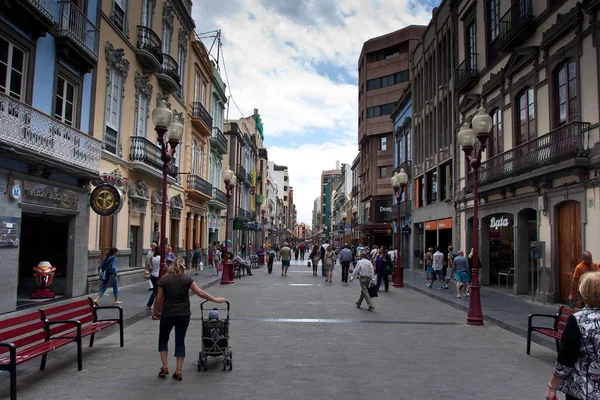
(103,269)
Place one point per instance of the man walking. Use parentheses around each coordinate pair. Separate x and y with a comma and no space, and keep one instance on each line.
(461,266)
(286,256)
(449,269)
(438,266)
(586,265)
(364,271)
(345,260)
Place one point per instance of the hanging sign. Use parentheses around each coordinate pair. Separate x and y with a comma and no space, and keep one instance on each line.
(112,179)
(499,223)
(15,190)
(106,199)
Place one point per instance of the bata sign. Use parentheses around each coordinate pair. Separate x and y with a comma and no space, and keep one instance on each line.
(499,223)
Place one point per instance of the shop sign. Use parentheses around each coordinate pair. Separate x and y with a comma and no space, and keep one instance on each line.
(431,226)
(445,223)
(48,195)
(16,190)
(106,199)
(499,223)
(384,210)
(9,231)
(112,179)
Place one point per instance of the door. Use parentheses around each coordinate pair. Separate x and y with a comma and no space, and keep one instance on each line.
(569,244)
(133,245)
(106,235)
(174,238)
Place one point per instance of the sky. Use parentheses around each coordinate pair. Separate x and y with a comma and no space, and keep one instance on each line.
(296,62)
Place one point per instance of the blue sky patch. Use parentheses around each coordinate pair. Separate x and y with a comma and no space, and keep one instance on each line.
(335,73)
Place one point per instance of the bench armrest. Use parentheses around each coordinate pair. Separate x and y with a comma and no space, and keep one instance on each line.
(120,319)
(12,350)
(57,322)
(531,316)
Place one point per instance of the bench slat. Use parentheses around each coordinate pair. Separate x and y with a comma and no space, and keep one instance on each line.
(60,328)
(549,332)
(53,311)
(96,327)
(37,350)
(74,315)
(21,319)
(9,335)
(25,341)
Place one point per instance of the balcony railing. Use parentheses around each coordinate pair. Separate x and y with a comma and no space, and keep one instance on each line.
(31,131)
(467,73)
(150,45)
(241,172)
(559,145)
(244,214)
(219,140)
(198,111)
(516,25)
(200,185)
(44,7)
(249,177)
(406,165)
(74,25)
(146,152)
(218,195)
(168,74)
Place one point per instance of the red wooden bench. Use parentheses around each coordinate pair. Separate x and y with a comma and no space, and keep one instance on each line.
(555,332)
(60,319)
(26,337)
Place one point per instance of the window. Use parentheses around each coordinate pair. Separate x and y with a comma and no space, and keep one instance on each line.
(142,116)
(65,101)
(566,78)
(13,67)
(382,172)
(383,144)
(147,13)
(378,111)
(471,46)
(181,64)
(166,38)
(496,133)
(446,182)
(388,80)
(204,94)
(118,15)
(526,117)
(494,19)
(432,189)
(114,92)
(197,87)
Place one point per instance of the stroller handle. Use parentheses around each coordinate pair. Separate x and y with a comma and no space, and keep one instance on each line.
(206,301)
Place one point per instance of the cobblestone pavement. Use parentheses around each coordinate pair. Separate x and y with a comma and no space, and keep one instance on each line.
(300,338)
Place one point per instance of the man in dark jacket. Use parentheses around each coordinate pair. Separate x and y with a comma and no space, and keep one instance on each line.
(345,260)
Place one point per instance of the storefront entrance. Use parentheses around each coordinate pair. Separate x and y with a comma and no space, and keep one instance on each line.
(43,238)
(502,247)
(569,244)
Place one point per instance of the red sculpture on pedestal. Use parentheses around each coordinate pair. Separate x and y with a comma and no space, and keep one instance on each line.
(44,272)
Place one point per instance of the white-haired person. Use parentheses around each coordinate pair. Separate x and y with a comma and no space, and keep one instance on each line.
(577,369)
(364,271)
(174,287)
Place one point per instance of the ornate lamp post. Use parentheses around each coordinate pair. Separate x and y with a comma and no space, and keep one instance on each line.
(230,181)
(344,216)
(353,226)
(399,181)
(173,127)
(467,137)
(263,211)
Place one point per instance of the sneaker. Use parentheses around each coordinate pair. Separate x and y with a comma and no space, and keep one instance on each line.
(446,287)
(467,294)
(458,296)
(371,308)
(177,376)
(428,285)
(441,288)
(163,372)
(357,305)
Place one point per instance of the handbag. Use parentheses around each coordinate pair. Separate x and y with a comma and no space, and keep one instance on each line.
(308,264)
(373,291)
(148,268)
(220,267)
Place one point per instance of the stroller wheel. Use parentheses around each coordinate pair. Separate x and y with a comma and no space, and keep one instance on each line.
(230,361)
(224,364)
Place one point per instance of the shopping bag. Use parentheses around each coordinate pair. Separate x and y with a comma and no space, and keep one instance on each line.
(220,267)
(373,291)
(308,264)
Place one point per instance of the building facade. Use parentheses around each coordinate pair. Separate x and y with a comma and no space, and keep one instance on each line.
(383,72)
(48,152)
(538,80)
(329,181)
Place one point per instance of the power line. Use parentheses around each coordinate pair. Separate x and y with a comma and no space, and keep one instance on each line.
(229,84)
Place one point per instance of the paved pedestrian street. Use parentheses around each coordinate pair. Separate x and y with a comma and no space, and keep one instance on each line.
(300,338)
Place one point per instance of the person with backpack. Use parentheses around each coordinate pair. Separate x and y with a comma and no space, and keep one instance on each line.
(107,272)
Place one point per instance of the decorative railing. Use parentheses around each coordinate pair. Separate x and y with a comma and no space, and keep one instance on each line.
(512,23)
(170,68)
(73,24)
(219,138)
(406,165)
(44,6)
(148,40)
(466,70)
(25,127)
(249,177)
(111,141)
(561,144)
(405,208)
(241,172)
(144,151)
(218,195)
(262,153)
(199,111)
(200,185)
(244,214)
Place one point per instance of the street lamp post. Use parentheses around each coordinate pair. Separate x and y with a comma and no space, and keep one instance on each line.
(344,216)
(263,211)
(163,123)
(399,181)
(467,137)
(230,181)
(353,226)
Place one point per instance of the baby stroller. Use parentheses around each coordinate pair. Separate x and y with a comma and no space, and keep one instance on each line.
(215,338)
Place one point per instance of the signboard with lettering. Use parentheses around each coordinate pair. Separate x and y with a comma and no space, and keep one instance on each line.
(48,195)
(431,226)
(115,180)
(383,210)
(106,199)
(445,223)
(500,222)
(9,231)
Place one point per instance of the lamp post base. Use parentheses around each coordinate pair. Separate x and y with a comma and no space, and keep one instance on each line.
(227,274)
(398,277)
(475,315)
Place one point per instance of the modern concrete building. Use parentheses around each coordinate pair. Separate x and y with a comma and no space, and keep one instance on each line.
(533,66)
(341,205)
(383,72)
(48,151)
(329,181)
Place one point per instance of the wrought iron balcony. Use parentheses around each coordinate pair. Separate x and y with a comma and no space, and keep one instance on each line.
(38,137)
(76,36)
(201,118)
(354,191)
(262,153)
(467,74)
(249,177)
(218,141)
(244,214)
(40,13)
(196,183)
(562,144)
(148,49)
(241,173)
(144,151)
(406,165)
(168,74)
(219,199)
(516,25)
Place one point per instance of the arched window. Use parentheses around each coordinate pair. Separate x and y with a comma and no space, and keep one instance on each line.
(567,107)
(526,117)
(495,142)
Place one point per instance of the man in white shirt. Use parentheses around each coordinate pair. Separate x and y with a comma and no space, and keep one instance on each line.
(438,266)
(374,253)
(364,270)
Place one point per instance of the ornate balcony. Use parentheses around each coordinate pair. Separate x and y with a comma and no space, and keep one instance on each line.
(37,137)
(148,49)
(168,74)
(516,25)
(262,153)
(249,178)
(145,156)
(406,165)
(201,119)
(200,186)
(36,14)
(241,173)
(467,74)
(76,36)
(218,200)
(354,191)
(218,141)
(567,143)
(244,214)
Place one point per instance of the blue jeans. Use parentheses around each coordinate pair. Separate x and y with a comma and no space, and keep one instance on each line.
(154,281)
(167,324)
(112,279)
